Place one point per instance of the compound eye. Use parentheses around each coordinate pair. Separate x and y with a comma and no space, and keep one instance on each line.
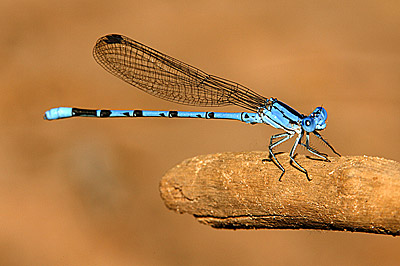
(308,124)
(321,112)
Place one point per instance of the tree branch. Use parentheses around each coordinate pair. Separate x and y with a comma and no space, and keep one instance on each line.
(239,191)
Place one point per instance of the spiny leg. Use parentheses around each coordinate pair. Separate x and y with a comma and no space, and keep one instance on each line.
(292,153)
(274,144)
(312,150)
(321,138)
(286,136)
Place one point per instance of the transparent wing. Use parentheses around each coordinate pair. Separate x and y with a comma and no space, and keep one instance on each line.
(168,78)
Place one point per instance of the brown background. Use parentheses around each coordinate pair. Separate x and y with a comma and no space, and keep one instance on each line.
(85,191)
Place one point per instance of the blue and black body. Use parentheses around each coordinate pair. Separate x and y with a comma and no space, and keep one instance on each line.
(170,79)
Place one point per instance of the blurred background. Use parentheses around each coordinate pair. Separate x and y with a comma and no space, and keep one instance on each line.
(86,191)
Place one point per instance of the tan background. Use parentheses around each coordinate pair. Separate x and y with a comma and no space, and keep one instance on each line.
(85,191)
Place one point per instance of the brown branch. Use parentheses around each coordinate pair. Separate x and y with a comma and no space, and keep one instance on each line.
(239,191)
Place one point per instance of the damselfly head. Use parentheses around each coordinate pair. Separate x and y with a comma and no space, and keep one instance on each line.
(315,121)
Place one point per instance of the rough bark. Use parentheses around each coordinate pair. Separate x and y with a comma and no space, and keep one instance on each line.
(239,191)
